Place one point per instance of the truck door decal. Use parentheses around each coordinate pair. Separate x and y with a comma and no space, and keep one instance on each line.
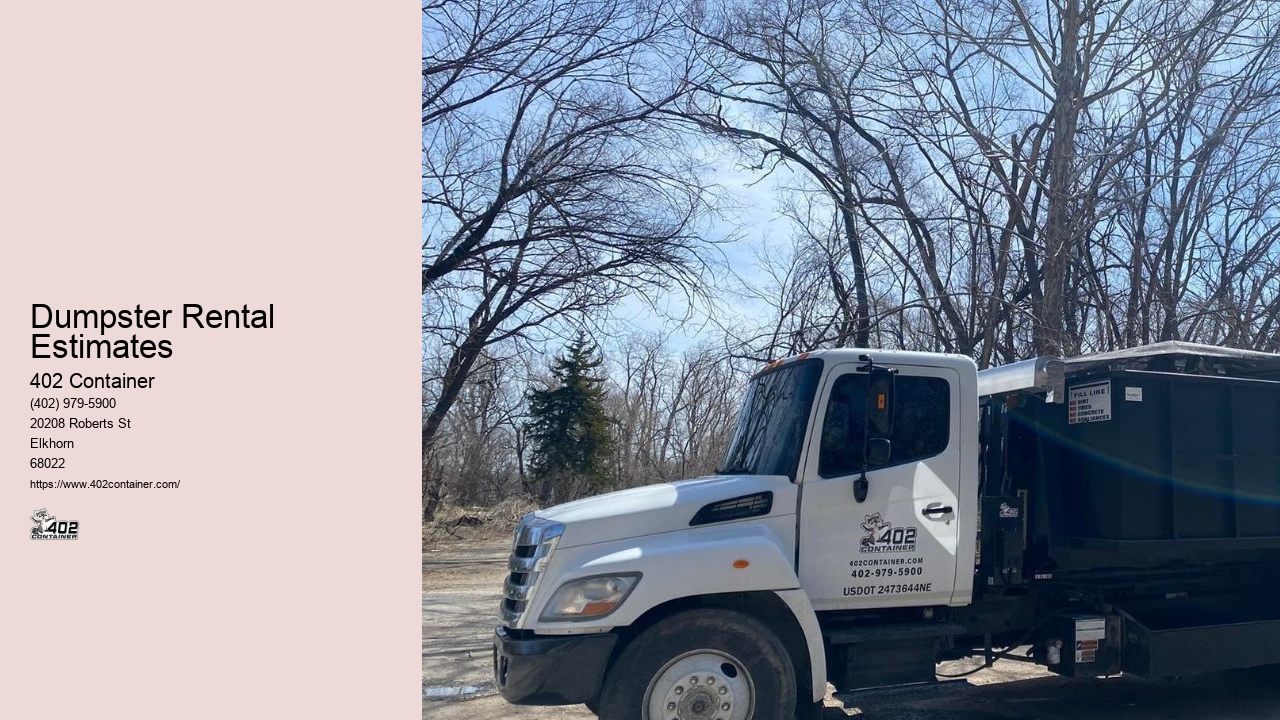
(883,537)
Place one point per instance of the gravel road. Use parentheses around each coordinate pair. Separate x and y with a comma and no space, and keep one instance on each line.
(462,581)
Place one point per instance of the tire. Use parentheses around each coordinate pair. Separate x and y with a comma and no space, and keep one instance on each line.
(691,665)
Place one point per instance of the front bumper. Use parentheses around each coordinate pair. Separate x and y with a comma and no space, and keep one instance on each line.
(550,669)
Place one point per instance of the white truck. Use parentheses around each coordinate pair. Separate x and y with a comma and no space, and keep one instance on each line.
(878,512)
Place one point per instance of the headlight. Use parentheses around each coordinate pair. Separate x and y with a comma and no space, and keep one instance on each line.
(590,597)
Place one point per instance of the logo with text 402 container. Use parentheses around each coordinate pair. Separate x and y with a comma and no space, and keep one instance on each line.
(885,537)
(48,527)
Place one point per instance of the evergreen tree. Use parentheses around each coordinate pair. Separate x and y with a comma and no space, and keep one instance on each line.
(568,429)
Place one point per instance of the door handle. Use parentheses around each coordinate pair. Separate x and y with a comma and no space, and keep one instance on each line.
(939,510)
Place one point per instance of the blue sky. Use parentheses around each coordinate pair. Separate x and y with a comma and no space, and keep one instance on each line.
(749,220)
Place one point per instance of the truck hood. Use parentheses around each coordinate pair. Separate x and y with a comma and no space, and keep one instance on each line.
(660,508)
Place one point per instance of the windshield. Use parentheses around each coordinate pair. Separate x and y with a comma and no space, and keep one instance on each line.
(771,425)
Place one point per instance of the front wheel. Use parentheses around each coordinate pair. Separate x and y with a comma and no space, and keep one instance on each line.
(702,665)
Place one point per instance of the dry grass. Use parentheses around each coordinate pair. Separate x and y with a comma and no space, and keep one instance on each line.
(473,523)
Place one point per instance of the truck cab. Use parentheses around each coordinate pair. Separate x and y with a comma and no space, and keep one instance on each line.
(841,540)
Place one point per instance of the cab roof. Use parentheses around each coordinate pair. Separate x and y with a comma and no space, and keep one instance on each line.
(881,357)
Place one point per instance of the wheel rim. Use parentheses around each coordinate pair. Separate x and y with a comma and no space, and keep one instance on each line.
(701,685)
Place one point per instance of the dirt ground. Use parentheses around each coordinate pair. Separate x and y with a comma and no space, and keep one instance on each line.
(462,582)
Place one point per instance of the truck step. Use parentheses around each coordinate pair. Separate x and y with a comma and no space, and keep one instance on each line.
(868,656)
(849,634)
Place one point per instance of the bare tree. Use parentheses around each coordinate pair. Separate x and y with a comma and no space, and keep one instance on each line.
(783,84)
(968,151)
(1075,69)
(552,183)
(673,411)
(477,456)
(991,177)
(817,85)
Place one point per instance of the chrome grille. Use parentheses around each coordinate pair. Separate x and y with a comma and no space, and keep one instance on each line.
(535,539)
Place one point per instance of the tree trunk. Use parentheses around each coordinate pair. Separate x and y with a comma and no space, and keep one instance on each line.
(862,304)
(455,376)
(1058,231)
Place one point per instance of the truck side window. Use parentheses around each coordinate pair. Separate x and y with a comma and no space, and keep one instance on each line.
(843,427)
(922,420)
(920,430)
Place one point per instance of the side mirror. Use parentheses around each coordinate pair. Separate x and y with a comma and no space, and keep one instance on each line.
(878,451)
(880,389)
(879,426)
